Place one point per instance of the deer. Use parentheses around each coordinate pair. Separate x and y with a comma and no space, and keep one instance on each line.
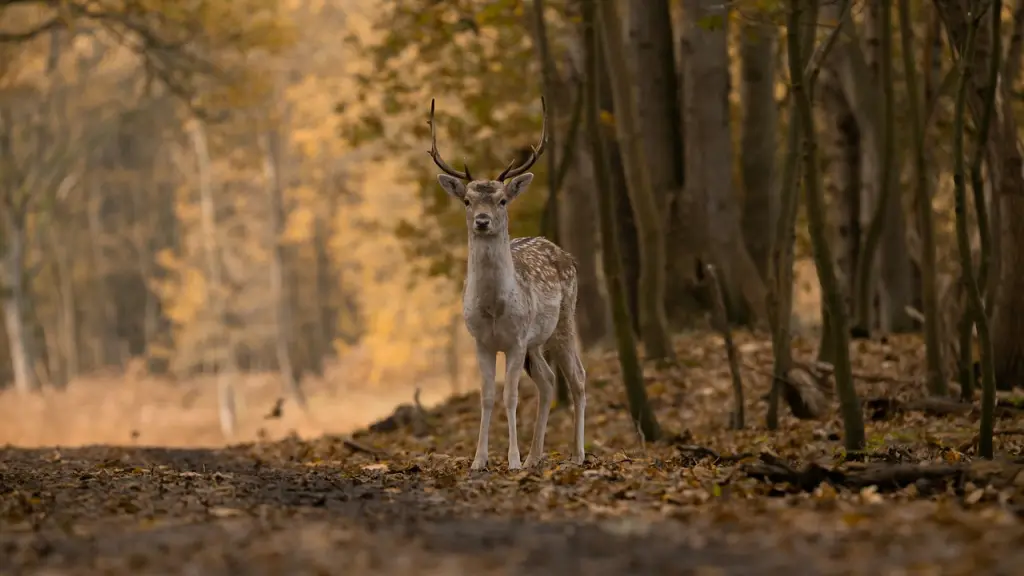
(518,298)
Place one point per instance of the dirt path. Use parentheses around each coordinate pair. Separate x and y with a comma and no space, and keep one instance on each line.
(692,503)
(161,511)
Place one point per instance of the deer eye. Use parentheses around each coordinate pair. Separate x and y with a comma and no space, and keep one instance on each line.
(502,202)
(466,202)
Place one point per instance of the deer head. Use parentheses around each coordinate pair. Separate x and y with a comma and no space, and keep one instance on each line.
(486,200)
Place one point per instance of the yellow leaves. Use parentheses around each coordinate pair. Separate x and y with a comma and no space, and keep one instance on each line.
(299,226)
(186,298)
(607,119)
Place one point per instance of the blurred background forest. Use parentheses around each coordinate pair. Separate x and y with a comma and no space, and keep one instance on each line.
(210,205)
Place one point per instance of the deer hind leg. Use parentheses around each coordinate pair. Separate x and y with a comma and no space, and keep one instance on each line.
(568,360)
(544,377)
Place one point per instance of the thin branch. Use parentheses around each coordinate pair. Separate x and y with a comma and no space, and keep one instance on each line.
(813,67)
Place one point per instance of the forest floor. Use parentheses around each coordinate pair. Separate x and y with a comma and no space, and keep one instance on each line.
(401,499)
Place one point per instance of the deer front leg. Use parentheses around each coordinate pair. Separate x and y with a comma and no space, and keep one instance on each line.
(513,370)
(485,359)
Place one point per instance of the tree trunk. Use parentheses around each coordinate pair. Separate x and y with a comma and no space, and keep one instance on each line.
(842,180)
(221,342)
(68,329)
(882,213)
(632,373)
(759,143)
(653,322)
(1012,62)
(1007,330)
(897,285)
(936,379)
(104,342)
(279,289)
(12,282)
(580,229)
(709,165)
(853,423)
(625,222)
(660,121)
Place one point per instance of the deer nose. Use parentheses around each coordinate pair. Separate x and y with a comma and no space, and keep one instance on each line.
(482,222)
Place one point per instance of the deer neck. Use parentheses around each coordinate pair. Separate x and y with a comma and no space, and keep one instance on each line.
(491,275)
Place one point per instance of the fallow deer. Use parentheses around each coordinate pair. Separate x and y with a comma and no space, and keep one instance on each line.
(519,298)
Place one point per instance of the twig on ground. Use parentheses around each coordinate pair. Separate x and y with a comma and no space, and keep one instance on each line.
(699,452)
(722,325)
(351,443)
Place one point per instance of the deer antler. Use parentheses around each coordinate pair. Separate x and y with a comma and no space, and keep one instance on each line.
(535,152)
(437,155)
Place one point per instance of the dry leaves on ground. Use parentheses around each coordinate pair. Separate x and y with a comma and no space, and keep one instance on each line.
(705,496)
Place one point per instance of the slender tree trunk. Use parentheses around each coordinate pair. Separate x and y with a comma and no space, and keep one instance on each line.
(15,302)
(1007,330)
(68,330)
(780,272)
(887,225)
(853,422)
(895,264)
(974,299)
(929,293)
(222,342)
(103,315)
(653,322)
(279,289)
(629,248)
(632,373)
(759,143)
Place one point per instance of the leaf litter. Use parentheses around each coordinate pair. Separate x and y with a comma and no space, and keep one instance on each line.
(705,497)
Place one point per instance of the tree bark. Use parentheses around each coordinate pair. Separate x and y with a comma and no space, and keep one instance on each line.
(632,373)
(580,227)
(279,289)
(975,303)
(929,293)
(221,342)
(709,165)
(1007,330)
(853,423)
(759,143)
(653,322)
(895,265)
(843,177)
(14,303)
(625,222)
(886,225)
(660,121)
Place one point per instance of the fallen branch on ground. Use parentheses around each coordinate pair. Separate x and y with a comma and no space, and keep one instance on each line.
(351,443)
(697,452)
(886,477)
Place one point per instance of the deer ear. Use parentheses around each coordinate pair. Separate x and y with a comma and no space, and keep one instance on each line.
(453,186)
(518,185)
